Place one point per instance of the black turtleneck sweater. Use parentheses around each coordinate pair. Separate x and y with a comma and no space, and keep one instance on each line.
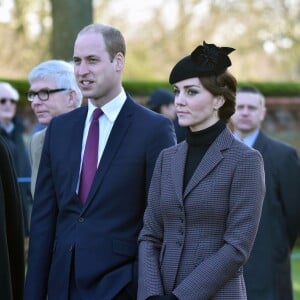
(198,144)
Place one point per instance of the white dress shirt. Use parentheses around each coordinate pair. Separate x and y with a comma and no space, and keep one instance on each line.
(250,139)
(111,111)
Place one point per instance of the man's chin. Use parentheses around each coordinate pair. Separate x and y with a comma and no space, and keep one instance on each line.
(88,95)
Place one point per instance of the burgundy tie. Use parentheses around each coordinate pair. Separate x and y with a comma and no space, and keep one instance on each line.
(90,157)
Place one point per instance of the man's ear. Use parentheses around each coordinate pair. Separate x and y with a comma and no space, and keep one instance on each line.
(72,98)
(119,61)
(263,114)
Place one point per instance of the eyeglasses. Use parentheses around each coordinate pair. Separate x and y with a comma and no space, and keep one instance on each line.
(43,95)
(4,100)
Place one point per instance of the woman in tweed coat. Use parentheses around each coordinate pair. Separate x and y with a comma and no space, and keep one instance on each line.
(206,193)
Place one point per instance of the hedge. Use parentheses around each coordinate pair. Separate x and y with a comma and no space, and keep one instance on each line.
(144,88)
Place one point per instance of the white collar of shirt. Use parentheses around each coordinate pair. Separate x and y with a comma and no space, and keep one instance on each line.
(9,127)
(110,109)
(250,139)
(106,122)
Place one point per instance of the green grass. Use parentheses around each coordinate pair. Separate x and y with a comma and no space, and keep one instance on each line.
(296,272)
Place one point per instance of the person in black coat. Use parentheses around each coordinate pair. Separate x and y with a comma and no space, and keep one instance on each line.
(268,270)
(12,267)
(12,130)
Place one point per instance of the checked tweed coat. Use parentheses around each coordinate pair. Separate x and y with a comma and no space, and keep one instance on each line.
(195,242)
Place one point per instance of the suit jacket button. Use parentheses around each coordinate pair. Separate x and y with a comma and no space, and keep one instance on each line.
(81,220)
(71,248)
(179,243)
(180,230)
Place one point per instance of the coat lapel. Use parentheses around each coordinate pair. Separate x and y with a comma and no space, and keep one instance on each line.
(37,147)
(211,159)
(116,137)
(260,142)
(76,138)
(178,165)
(40,141)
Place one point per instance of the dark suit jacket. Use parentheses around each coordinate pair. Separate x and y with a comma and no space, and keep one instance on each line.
(12,268)
(268,273)
(101,236)
(195,241)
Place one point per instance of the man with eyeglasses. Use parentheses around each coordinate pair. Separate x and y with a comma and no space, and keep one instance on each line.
(53,91)
(12,130)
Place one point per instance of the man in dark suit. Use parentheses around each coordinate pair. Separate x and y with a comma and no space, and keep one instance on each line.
(268,270)
(84,246)
(11,229)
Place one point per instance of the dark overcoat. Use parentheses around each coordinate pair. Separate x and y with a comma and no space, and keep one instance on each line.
(12,267)
(268,271)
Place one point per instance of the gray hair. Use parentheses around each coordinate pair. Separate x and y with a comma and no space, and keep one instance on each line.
(14,93)
(61,72)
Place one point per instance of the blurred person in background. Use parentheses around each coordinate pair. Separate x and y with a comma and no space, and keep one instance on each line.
(53,91)
(12,130)
(268,270)
(12,266)
(162,101)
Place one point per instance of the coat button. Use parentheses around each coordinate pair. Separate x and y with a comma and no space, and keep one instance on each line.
(179,243)
(81,220)
(180,230)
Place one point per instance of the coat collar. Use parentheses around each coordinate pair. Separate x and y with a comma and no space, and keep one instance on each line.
(116,137)
(211,159)
(260,142)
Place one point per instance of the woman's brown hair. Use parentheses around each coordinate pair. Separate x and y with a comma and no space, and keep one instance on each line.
(224,85)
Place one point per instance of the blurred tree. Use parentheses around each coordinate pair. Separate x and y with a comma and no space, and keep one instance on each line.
(24,37)
(266,33)
(68,18)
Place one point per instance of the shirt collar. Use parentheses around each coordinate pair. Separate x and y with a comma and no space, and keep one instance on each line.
(110,109)
(8,127)
(249,140)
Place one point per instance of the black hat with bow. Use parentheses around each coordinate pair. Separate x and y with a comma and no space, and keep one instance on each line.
(205,60)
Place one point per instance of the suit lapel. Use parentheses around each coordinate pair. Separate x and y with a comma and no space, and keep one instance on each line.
(40,140)
(178,165)
(115,139)
(260,142)
(211,159)
(38,143)
(76,144)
